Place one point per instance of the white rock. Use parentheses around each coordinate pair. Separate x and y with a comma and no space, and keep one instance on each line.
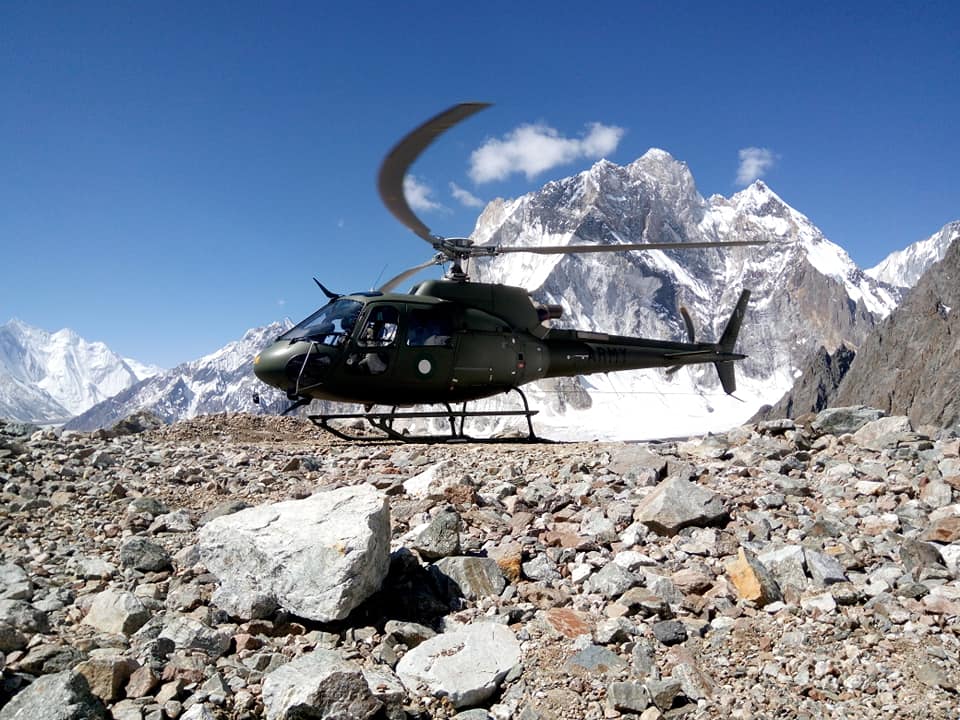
(318,558)
(951,556)
(819,604)
(632,560)
(880,433)
(117,612)
(431,481)
(465,666)
(870,487)
(94,568)
(15,584)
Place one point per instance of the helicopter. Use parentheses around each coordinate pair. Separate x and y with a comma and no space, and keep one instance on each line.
(451,341)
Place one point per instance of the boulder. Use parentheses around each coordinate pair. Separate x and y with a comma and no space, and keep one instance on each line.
(23,616)
(107,676)
(595,660)
(465,666)
(824,570)
(145,556)
(677,503)
(842,420)
(189,633)
(15,584)
(883,432)
(472,577)
(117,612)
(440,537)
(61,696)
(787,563)
(611,580)
(318,685)
(318,558)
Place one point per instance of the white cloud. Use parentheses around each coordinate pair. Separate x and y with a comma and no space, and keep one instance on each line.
(754,163)
(465,197)
(533,149)
(418,194)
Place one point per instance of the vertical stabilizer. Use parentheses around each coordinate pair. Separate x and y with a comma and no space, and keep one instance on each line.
(727,342)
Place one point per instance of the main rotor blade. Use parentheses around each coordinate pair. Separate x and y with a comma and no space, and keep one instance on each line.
(624,247)
(409,273)
(403,155)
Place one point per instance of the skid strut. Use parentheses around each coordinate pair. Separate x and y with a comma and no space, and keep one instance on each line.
(384,422)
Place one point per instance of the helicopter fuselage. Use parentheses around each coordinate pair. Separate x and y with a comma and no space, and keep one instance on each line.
(448,342)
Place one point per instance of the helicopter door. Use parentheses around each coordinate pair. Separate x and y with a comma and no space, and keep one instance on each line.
(429,346)
(375,348)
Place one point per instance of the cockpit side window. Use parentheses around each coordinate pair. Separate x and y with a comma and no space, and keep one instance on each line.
(431,327)
(380,329)
(329,325)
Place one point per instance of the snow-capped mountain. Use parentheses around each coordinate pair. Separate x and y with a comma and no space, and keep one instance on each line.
(49,377)
(222,381)
(904,267)
(807,292)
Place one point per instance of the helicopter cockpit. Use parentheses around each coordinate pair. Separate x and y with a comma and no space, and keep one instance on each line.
(330,325)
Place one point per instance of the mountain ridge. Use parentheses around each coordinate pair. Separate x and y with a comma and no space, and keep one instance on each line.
(220,381)
(808,293)
(51,376)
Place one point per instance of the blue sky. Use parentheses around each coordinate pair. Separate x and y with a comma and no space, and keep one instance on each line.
(172,174)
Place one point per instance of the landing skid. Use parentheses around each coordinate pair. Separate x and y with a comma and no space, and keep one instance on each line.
(384,423)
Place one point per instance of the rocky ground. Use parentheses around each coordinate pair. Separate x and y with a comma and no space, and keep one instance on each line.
(788,569)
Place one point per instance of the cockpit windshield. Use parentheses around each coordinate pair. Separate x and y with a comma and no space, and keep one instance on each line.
(329,325)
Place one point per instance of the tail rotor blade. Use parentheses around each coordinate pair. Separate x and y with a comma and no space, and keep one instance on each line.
(688,321)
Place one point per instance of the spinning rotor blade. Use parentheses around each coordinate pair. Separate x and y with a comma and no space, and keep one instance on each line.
(565,249)
(409,273)
(403,155)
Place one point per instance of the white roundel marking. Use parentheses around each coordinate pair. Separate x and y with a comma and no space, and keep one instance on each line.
(424,367)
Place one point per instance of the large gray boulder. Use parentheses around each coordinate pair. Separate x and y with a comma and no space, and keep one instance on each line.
(318,685)
(883,432)
(465,666)
(318,558)
(677,503)
(841,420)
(62,696)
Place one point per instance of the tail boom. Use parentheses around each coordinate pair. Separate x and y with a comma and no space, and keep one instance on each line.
(575,352)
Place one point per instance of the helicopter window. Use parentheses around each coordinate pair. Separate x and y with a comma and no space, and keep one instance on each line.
(380,329)
(430,328)
(329,325)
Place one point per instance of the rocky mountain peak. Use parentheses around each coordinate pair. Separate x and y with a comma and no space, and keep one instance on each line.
(807,292)
(904,267)
(911,364)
